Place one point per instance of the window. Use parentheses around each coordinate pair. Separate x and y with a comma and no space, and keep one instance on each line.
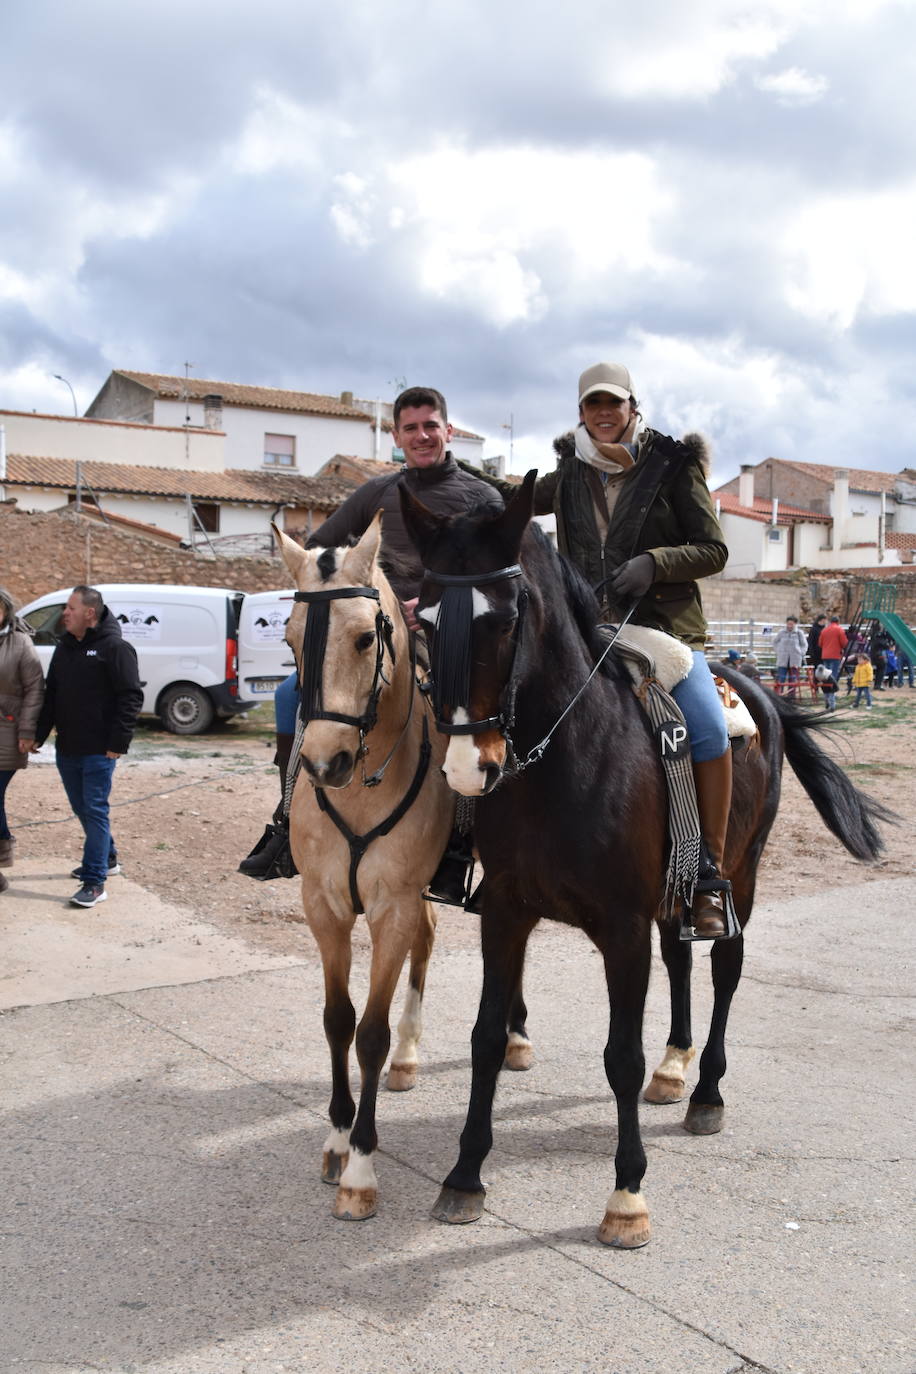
(207,513)
(279,450)
(45,623)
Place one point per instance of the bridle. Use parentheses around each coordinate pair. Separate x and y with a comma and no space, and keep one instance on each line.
(451,672)
(504,719)
(314,647)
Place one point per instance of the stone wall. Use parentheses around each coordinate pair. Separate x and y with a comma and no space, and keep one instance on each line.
(41,551)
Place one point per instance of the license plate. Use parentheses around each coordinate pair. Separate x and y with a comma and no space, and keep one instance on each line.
(264,686)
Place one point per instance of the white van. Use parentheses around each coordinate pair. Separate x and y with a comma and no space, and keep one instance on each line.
(186,640)
(265,659)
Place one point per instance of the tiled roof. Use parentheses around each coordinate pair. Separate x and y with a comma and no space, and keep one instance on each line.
(762,511)
(237,394)
(360,469)
(323,493)
(860,479)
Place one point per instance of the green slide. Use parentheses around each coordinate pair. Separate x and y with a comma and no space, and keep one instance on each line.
(896,628)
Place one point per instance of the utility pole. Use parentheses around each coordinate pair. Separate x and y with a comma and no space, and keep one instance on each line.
(511,428)
(58,378)
(187,421)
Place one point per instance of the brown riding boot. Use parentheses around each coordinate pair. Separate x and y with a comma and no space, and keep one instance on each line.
(713,780)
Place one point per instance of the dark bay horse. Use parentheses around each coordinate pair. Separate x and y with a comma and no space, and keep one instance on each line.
(575,830)
(371,847)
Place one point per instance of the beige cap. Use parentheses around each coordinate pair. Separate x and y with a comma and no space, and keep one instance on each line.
(612,377)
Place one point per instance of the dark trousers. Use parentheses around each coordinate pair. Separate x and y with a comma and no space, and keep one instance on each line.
(87,781)
(6,775)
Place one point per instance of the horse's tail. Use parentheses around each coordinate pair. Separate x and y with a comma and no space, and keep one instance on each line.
(849,814)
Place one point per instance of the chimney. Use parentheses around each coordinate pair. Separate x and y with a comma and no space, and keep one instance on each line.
(213,412)
(346,398)
(746,486)
(840,504)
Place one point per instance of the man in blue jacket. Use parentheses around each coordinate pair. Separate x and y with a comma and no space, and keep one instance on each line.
(92,699)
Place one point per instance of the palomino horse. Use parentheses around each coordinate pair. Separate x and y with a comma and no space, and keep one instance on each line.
(372,847)
(576,829)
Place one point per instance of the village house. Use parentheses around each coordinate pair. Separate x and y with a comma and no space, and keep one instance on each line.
(779,515)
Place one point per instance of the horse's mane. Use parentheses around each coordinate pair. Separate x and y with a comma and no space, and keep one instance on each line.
(581,600)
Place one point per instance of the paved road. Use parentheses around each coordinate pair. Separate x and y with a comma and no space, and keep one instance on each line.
(164,1091)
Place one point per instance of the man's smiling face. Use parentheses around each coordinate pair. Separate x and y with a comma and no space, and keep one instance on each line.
(423,436)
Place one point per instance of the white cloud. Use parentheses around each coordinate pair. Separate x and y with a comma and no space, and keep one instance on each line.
(794,86)
(853,254)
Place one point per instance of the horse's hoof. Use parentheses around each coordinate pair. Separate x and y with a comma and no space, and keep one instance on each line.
(703,1120)
(402,1077)
(625,1230)
(333,1165)
(458,1208)
(663,1089)
(355,1204)
(519,1056)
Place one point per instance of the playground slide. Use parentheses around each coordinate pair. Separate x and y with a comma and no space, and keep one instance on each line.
(896,628)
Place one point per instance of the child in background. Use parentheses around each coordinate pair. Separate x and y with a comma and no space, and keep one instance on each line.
(827,683)
(892,665)
(862,679)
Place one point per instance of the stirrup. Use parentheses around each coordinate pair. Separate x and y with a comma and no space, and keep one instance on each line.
(273,849)
(451,882)
(713,883)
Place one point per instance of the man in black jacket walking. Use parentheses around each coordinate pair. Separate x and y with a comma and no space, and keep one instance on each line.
(92,699)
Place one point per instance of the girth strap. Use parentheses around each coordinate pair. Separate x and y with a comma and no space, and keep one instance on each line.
(358,844)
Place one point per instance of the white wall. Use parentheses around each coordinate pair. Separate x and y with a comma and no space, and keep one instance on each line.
(318,437)
(743,538)
(112,441)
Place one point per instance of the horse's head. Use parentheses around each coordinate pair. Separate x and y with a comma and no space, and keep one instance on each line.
(471,606)
(342,631)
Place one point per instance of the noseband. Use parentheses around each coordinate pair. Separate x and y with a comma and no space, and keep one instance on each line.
(314,647)
(451,657)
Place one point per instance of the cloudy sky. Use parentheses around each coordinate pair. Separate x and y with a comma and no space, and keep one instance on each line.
(486,197)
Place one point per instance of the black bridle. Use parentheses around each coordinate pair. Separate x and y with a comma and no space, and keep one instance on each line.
(314,647)
(451,654)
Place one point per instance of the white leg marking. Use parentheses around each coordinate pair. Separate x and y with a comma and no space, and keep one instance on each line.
(359,1173)
(622,1202)
(675,1063)
(410,1028)
(337,1143)
(462,762)
(516,1039)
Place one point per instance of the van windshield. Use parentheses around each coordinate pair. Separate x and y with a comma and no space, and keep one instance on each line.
(45,623)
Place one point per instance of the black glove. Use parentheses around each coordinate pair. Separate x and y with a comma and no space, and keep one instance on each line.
(633,579)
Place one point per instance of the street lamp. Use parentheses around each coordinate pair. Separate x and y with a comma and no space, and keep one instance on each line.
(58,378)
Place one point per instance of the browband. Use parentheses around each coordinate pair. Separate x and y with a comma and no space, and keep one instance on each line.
(472,579)
(336,594)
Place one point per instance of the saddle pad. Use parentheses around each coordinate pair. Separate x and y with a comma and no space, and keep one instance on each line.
(670,662)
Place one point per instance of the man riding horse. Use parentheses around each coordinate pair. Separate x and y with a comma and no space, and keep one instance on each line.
(634,515)
(422,432)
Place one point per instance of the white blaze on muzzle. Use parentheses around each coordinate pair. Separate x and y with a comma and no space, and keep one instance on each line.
(469,756)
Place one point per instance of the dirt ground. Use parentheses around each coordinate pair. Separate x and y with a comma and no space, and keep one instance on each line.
(186,810)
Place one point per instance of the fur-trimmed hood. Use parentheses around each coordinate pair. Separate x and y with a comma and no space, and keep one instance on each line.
(697,446)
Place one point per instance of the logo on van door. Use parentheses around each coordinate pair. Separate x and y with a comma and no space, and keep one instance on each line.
(270,626)
(139,623)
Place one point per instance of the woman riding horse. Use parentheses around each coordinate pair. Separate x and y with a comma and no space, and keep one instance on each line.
(634,515)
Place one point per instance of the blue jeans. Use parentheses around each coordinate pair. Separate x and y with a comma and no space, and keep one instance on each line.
(859,691)
(286,705)
(702,709)
(6,775)
(833,664)
(87,782)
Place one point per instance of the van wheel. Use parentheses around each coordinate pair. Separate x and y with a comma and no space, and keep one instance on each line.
(186,710)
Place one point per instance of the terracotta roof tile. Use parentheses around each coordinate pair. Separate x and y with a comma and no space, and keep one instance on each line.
(238,394)
(323,493)
(763,511)
(860,479)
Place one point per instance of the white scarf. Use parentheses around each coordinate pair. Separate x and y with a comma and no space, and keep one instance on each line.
(609,458)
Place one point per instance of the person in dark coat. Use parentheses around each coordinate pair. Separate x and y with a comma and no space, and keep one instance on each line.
(814,640)
(21,692)
(634,514)
(422,432)
(92,699)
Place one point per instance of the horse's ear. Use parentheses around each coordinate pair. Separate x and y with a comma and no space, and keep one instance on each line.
(359,561)
(293,554)
(419,521)
(517,514)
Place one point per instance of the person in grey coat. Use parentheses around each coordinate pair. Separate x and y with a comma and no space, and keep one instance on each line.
(21,694)
(791,646)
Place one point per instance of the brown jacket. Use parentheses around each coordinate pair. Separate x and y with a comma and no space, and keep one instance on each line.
(22,688)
